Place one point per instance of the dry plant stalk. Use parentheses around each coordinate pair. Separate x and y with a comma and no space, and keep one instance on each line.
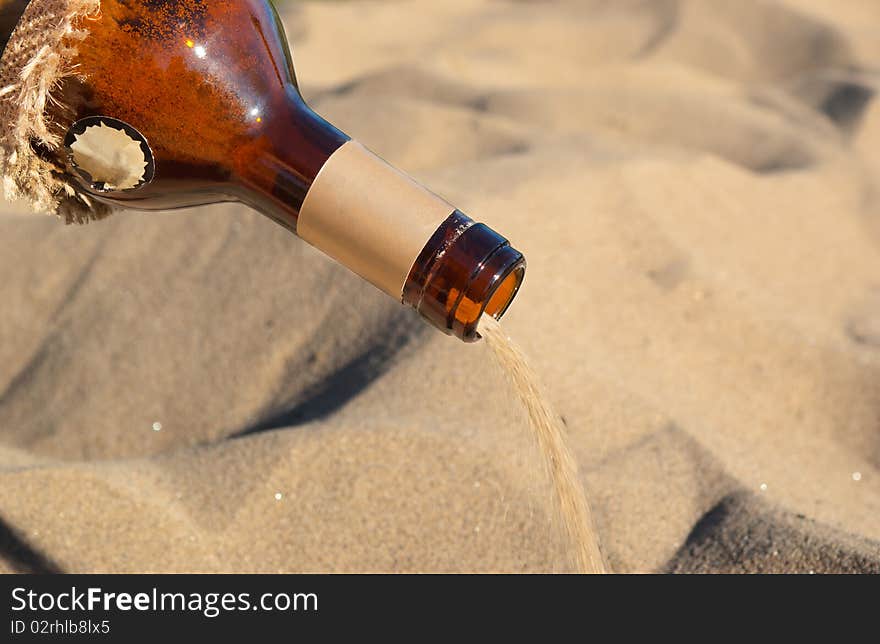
(40,54)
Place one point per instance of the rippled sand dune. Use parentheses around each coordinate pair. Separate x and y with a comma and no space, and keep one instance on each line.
(696,185)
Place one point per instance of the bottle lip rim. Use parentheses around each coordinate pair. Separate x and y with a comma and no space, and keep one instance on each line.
(489,274)
(519,269)
(514,265)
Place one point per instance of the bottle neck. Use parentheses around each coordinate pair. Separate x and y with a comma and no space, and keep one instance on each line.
(277,170)
(380,223)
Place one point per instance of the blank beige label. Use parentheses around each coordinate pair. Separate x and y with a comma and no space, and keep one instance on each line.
(370,217)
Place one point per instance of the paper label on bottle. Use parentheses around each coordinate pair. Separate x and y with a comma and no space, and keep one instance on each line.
(109,154)
(370,217)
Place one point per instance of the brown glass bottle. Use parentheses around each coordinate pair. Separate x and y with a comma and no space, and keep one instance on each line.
(207,89)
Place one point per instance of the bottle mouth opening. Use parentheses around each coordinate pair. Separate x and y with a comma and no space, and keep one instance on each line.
(504,293)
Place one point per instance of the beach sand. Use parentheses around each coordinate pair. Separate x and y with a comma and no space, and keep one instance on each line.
(696,186)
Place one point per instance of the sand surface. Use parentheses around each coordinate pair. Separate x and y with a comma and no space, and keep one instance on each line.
(696,186)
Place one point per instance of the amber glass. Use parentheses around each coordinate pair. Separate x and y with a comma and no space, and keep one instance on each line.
(465,270)
(211,86)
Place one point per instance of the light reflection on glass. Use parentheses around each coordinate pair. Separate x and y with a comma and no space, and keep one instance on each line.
(198,50)
(201,51)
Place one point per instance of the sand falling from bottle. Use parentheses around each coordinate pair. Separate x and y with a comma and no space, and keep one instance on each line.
(549,435)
